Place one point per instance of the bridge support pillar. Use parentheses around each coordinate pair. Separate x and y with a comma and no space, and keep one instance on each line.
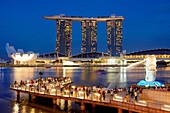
(93,105)
(93,108)
(33,98)
(29,98)
(120,110)
(130,112)
(82,107)
(54,103)
(18,96)
(66,105)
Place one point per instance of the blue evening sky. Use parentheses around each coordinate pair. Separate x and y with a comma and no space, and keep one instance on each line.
(146,23)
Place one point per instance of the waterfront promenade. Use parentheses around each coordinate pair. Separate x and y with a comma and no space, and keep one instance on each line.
(58,88)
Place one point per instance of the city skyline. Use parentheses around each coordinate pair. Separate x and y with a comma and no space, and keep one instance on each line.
(145,24)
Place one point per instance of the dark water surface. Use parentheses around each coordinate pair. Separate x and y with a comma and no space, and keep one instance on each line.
(121,77)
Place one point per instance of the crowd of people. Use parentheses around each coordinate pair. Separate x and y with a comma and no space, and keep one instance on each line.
(45,83)
(132,93)
(62,84)
(89,92)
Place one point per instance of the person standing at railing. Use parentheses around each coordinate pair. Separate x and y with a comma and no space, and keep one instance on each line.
(131,91)
(127,98)
(136,95)
(76,92)
(15,83)
(111,94)
(87,92)
(115,90)
(71,91)
(103,94)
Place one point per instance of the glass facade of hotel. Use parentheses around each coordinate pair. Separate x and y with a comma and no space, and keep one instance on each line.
(114,40)
(89,36)
(64,37)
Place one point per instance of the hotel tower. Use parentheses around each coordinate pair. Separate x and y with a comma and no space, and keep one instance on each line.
(89,36)
(114,39)
(89,33)
(64,37)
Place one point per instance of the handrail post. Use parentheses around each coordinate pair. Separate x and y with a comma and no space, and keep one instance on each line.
(82,107)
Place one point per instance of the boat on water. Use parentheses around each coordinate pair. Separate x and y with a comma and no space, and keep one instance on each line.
(101,71)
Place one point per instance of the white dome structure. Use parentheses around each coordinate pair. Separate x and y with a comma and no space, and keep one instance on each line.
(20,55)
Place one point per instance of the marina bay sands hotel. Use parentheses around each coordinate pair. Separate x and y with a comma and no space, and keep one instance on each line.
(89,33)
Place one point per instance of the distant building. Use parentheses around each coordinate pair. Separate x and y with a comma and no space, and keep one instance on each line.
(114,40)
(91,59)
(160,54)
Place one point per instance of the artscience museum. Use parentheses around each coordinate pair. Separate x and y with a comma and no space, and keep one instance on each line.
(19,56)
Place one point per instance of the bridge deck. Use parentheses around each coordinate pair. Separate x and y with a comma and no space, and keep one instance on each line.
(95,99)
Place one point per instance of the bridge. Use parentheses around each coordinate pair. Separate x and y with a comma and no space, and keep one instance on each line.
(141,57)
(160,54)
(94,98)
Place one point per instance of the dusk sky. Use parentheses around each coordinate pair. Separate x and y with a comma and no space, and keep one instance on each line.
(146,23)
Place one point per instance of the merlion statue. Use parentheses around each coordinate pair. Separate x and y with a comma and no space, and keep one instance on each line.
(150,67)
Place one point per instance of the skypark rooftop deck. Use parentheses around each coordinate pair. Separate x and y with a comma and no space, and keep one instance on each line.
(80,18)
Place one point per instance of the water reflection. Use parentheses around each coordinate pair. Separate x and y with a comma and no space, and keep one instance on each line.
(16,108)
(81,76)
(23,73)
(24,109)
(32,110)
(69,105)
(89,74)
(123,77)
(118,79)
(68,71)
(113,74)
(1,75)
(61,103)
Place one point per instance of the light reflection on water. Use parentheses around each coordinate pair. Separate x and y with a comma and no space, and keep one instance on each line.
(16,108)
(121,77)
